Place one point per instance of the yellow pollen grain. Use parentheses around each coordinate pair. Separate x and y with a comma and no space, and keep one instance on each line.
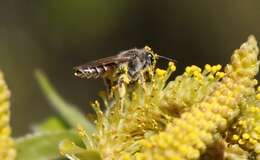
(197,74)
(134,95)
(258,89)
(246,136)
(188,70)
(257,148)
(210,77)
(257,129)
(252,141)
(220,74)
(146,144)
(172,67)
(255,81)
(195,68)
(140,156)
(81,131)
(235,137)
(208,68)
(219,67)
(126,157)
(242,122)
(216,68)
(160,72)
(258,96)
(241,142)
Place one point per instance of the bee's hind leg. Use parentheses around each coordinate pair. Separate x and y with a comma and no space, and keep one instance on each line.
(108,84)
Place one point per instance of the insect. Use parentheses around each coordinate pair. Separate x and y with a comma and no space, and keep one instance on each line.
(135,60)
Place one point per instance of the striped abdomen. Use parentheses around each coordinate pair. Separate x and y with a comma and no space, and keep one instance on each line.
(92,72)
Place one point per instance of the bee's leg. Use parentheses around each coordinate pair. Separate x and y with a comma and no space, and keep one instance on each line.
(121,85)
(108,83)
(142,80)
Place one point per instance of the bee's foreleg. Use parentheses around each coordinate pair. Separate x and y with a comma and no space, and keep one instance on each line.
(121,85)
(142,80)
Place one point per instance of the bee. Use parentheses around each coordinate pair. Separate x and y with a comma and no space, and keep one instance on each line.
(135,60)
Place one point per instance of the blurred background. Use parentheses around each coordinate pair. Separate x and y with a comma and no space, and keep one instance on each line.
(56,35)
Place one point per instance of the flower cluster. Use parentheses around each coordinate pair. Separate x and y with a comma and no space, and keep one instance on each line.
(245,131)
(190,134)
(180,119)
(7,151)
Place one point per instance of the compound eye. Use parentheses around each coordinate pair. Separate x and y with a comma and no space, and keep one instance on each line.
(150,55)
(150,58)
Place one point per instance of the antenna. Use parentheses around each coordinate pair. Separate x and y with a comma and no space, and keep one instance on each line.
(167,58)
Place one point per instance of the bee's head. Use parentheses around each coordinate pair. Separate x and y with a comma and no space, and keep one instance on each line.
(150,56)
(153,56)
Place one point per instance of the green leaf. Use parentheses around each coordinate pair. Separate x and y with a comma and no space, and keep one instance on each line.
(51,124)
(43,146)
(74,152)
(89,155)
(69,112)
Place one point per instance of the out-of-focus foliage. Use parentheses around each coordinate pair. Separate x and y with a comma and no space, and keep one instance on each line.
(69,112)
(43,143)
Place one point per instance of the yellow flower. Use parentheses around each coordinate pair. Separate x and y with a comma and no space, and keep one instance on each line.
(196,128)
(7,151)
(180,119)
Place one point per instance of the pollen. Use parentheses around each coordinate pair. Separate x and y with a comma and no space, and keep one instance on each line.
(188,70)
(258,89)
(81,131)
(246,136)
(241,142)
(235,137)
(147,48)
(160,72)
(215,68)
(7,149)
(172,66)
(220,74)
(258,96)
(208,68)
